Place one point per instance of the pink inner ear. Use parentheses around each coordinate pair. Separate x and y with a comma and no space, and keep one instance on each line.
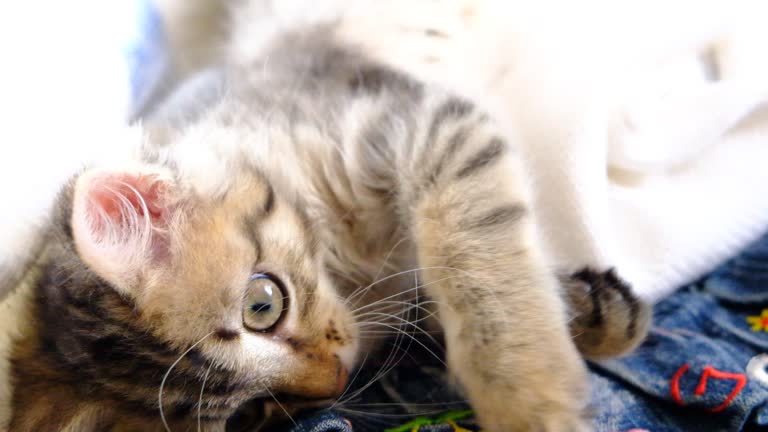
(113,195)
(121,222)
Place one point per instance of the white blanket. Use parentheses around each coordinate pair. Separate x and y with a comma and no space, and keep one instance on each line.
(65,97)
(641,121)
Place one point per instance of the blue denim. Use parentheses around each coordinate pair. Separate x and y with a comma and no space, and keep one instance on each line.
(704,326)
(324,422)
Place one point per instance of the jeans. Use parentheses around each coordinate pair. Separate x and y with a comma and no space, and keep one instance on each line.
(702,367)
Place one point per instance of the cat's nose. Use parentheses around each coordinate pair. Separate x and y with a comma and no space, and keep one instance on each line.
(322,376)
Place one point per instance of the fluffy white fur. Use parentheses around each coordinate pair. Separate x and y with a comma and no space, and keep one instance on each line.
(640,120)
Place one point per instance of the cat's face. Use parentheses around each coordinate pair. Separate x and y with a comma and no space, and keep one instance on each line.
(239,274)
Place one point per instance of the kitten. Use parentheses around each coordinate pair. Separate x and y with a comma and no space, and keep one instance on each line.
(259,245)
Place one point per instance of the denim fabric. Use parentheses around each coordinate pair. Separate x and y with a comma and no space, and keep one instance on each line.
(323,422)
(710,330)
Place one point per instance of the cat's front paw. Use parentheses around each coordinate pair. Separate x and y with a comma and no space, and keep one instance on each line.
(543,410)
(544,390)
(607,318)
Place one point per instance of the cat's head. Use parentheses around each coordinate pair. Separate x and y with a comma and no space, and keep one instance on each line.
(237,273)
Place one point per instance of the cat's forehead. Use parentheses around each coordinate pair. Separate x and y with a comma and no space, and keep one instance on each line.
(268,217)
(251,227)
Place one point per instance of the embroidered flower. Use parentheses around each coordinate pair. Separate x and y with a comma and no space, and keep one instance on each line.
(759,323)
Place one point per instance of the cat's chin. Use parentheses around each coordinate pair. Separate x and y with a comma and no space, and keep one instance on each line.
(267,412)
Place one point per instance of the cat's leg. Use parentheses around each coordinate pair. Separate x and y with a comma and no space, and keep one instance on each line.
(505,325)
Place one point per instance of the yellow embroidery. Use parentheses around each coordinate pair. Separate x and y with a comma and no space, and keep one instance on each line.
(759,322)
(457,428)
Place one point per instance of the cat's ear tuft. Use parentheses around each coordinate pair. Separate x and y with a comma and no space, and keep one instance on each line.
(121,222)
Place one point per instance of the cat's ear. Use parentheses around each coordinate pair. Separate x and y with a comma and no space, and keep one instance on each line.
(122,222)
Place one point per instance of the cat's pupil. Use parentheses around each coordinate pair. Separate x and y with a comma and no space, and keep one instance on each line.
(263,304)
(261,307)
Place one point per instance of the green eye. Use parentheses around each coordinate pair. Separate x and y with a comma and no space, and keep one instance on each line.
(264,303)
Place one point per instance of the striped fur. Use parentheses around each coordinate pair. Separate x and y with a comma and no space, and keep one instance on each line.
(336,173)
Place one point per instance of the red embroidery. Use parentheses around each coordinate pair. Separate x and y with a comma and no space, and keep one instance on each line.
(741,381)
(709,371)
(675,386)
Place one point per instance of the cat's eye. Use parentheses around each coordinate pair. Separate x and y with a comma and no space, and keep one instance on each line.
(264,303)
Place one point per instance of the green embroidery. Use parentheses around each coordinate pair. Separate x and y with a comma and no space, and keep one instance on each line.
(449,417)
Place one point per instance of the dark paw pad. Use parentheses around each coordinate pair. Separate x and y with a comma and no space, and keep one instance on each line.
(603,287)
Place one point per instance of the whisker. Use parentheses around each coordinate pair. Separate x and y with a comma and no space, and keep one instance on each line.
(400,404)
(371,321)
(392,303)
(165,378)
(383,369)
(359,292)
(349,385)
(387,415)
(389,254)
(370,315)
(415,288)
(386,304)
(200,400)
(410,323)
(391,359)
(280,405)
(345,276)
(390,332)
(418,269)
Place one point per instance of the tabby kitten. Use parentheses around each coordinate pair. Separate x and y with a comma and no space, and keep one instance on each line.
(259,242)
